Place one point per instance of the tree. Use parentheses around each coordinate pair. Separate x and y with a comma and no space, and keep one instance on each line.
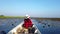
(1,15)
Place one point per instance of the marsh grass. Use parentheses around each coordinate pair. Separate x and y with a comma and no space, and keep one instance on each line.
(11,16)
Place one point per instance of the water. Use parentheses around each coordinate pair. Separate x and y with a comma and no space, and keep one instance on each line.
(48,26)
(7,24)
(44,26)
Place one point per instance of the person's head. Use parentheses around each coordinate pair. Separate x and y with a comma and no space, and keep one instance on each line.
(27,16)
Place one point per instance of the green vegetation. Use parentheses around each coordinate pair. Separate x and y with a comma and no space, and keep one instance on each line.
(55,19)
(2,16)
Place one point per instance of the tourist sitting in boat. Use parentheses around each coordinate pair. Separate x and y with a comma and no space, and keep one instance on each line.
(27,22)
(27,27)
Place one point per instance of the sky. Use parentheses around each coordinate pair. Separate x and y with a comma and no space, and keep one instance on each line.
(34,8)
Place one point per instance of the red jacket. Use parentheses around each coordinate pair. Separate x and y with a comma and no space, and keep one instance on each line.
(27,23)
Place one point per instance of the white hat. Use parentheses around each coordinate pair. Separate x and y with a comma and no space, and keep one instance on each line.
(27,16)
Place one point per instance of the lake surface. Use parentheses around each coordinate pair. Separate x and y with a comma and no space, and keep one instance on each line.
(48,26)
(45,26)
(7,24)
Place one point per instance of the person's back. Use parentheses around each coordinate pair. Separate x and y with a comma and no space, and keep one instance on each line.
(27,23)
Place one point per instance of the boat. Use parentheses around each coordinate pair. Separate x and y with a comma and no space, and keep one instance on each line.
(18,30)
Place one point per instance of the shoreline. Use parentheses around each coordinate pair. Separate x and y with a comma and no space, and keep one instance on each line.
(8,17)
